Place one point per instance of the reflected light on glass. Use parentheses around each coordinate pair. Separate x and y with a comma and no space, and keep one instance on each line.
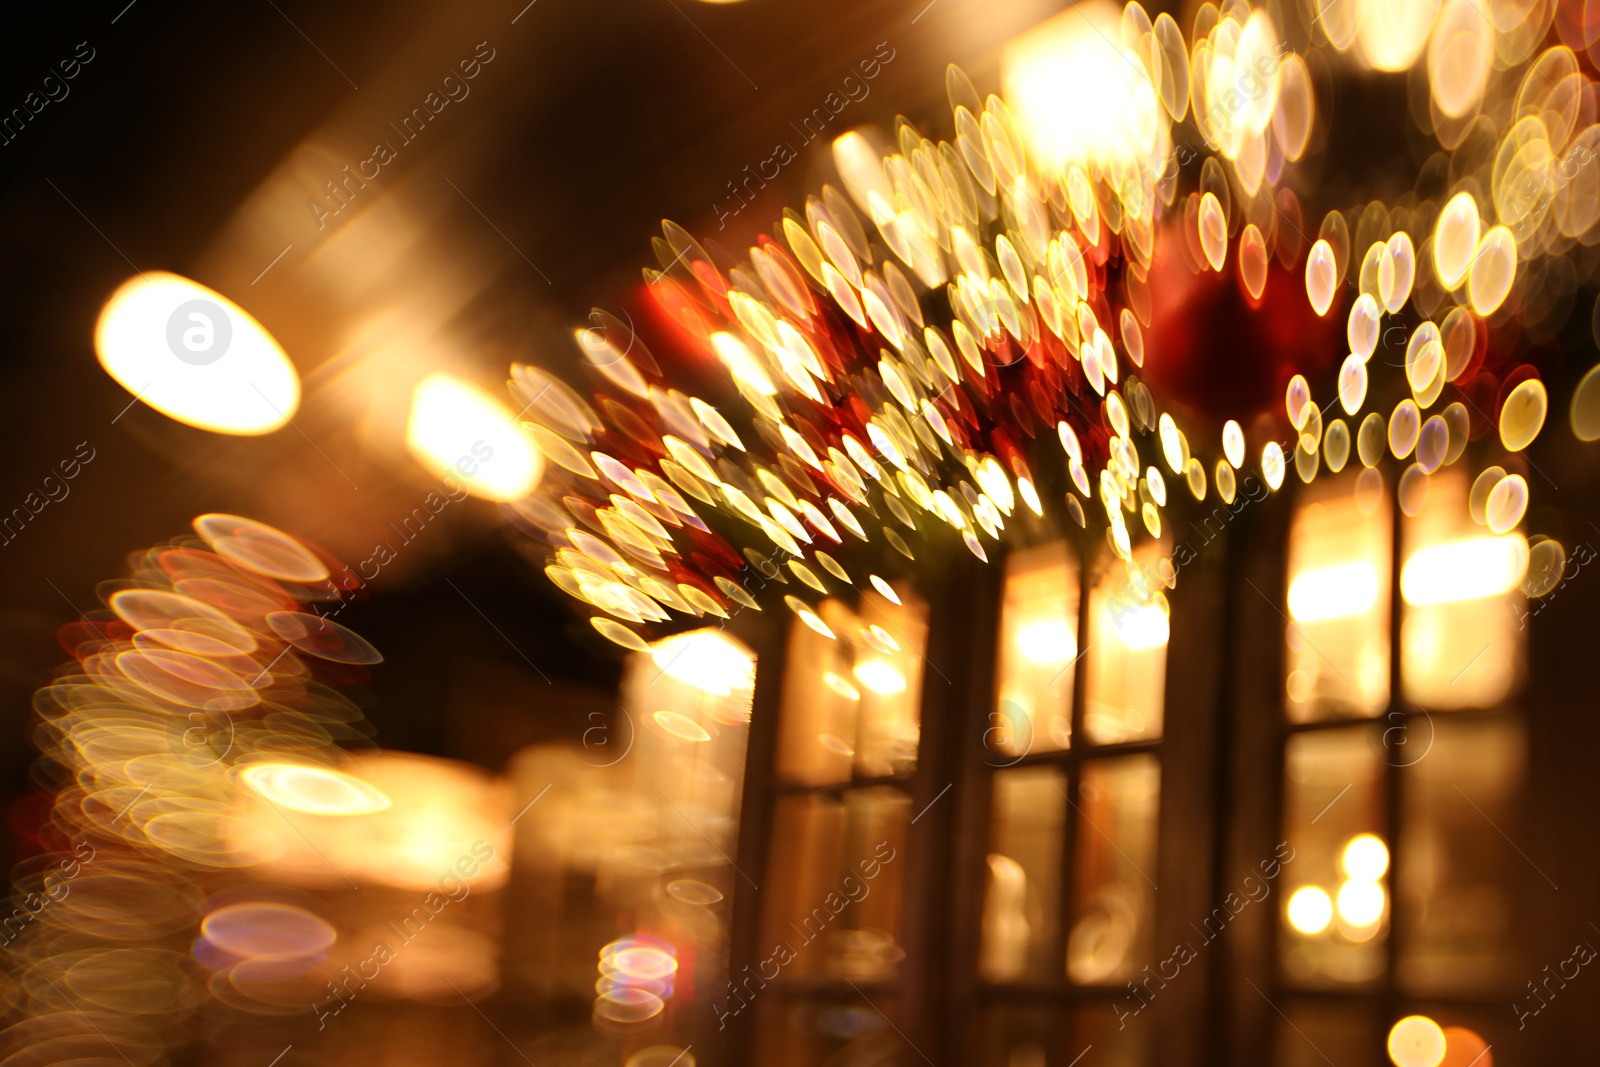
(1046,643)
(459,431)
(706,660)
(1366,858)
(681,726)
(1310,910)
(1465,570)
(195,356)
(633,962)
(1416,1041)
(1465,1048)
(880,677)
(1333,592)
(314,790)
(840,686)
(636,973)
(1361,903)
(1053,69)
(1140,628)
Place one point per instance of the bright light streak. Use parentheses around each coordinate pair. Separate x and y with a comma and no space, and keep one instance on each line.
(1077,96)
(1365,858)
(1140,628)
(706,660)
(1333,592)
(1464,570)
(1361,903)
(742,363)
(461,432)
(880,677)
(1048,642)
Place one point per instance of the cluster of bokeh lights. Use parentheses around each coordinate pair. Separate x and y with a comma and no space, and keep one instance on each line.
(906,351)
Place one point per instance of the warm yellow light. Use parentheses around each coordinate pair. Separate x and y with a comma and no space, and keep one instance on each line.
(1333,592)
(880,676)
(461,432)
(1030,496)
(1310,910)
(1416,1041)
(884,588)
(994,483)
(1365,858)
(195,356)
(1077,96)
(1140,628)
(742,363)
(314,790)
(1361,903)
(1047,642)
(706,660)
(1465,570)
(861,167)
(1392,33)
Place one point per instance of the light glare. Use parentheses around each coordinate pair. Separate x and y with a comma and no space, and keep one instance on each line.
(460,431)
(1333,592)
(227,373)
(1465,570)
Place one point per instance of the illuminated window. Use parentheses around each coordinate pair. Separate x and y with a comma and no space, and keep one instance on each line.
(1036,873)
(1338,637)
(1069,898)
(852,704)
(1038,652)
(1401,887)
(834,888)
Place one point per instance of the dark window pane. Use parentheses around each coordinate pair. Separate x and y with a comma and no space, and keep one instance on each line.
(833,887)
(1022,901)
(1458,871)
(1336,913)
(1114,892)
